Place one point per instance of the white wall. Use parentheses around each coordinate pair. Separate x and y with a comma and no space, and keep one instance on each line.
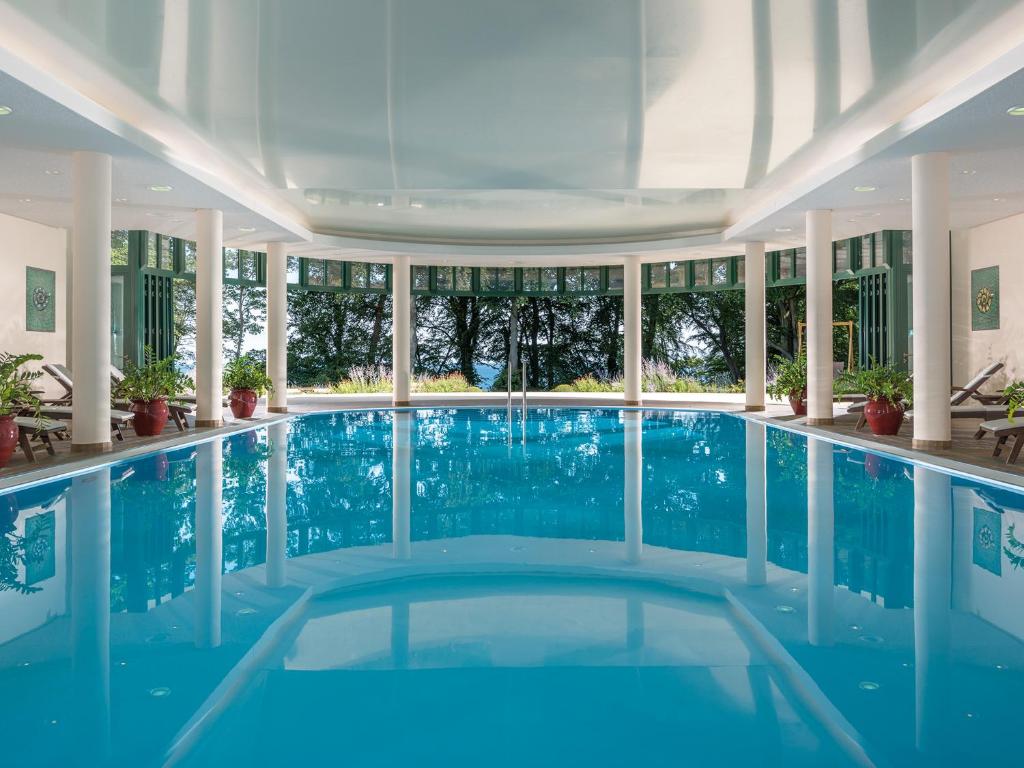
(26,244)
(1001,244)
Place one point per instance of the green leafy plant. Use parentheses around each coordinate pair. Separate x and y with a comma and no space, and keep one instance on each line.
(153,380)
(880,382)
(1014,393)
(246,372)
(16,384)
(790,378)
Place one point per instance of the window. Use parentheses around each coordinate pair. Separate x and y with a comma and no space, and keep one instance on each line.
(801,262)
(741,270)
(464,279)
(659,275)
(720,272)
(573,280)
(358,275)
(879,250)
(701,273)
(907,248)
(166,253)
(247,266)
(592,279)
(335,274)
(292,267)
(151,253)
(842,256)
(531,279)
(785,265)
(865,252)
(677,274)
(119,246)
(549,279)
(231,263)
(379,276)
(420,278)
(315,272)
(444,279)
(616,278)
(189,257)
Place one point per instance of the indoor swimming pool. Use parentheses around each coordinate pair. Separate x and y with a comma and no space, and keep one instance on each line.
(451,586)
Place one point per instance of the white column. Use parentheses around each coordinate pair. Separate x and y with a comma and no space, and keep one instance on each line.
(209,544)
(90,611)
(90,324)
(277,506)
(930,190)
(277,326)
(757,510)
(631,327)
(633,486)
(819,317)
(932,615)
(756,345)
(209,317)
(820,544)
(401,480)
(400,300)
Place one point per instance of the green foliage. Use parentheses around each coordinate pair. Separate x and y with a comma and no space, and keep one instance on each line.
(154,380)
(1014,393)
(1014,548)
(244,314)
(452,382)
(16,384)
(879,382)
(377,379)
(790,379)
(247,372)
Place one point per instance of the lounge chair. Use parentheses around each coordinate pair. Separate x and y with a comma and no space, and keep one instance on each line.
(959,396)
(42,429)
(118,419)
(62,376)
(1002,430)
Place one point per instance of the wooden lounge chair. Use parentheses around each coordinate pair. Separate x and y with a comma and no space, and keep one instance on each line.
(118,419)
(62,376)
(42,429)
(1002,430)
(959,396)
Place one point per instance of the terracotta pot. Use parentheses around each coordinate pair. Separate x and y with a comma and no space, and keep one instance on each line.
(242,402)
(799,403)
(883,416)
(879,468)
(152,468)
(150,416)
(8,438)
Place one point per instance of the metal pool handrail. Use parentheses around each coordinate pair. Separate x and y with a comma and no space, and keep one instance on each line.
(524,401)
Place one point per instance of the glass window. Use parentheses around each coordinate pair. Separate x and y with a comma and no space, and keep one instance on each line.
(573,280)
(378,275)
(464,279)
(119,246)
(615,278)
(592,279)
(151,253)
(879,250)
(358,275)
(785,265)
(167,253)
(189,252)
(231,263)
(531,279)
(659,275)
(444,278)
(420,278)
(908,247)
(701,273)
(315,272)
(293,267)
(801,262)
(549,279)
(247,265)
(741,269)
(677,274)
(720,272)
(865,252)
(842,256)
(335,274)
(506,279)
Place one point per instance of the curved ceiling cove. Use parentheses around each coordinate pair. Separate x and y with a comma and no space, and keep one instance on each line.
(536,121)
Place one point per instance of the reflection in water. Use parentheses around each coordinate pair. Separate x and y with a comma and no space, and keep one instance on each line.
(757,508)
(633,484)
(820,544)
(209,543)
(277,505)
(401,462)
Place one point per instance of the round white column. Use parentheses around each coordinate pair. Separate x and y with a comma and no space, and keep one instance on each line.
(819,317)
(757,511)
(277,326)
(209,317)
(90,323)
(933,574)
(756,344)
(401,481)
(277,506)
(633,484)
(209,544)
(932,375)
(631,327)
(820,544)
(401,293)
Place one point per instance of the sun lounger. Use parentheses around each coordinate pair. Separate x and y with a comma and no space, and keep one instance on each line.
(1002,430)
(62,376)
(118,419)
(42,429)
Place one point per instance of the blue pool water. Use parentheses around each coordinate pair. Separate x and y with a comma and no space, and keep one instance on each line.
(378,588)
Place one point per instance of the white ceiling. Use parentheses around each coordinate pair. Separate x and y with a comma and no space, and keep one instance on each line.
(535,131)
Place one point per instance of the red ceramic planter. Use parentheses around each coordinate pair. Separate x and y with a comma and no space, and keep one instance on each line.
(884,417)
(799,404)
(150,417)
(8,438)
(242,402)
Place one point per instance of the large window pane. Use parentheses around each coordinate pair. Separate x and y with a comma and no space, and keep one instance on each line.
(444,278)
(231,263)
(677,274)
(379,276)
(531,279)
(315,272)
(659,276)
(420,278)
(616,278)
(358,275)
(550,279)
(335,274)
(464,279)
(119,246)
(189,250)
(801,262)
(842,256)
(720,272)
(701,273)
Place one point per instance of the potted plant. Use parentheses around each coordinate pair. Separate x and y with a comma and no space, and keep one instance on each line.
(1014,394)
(790,383)
(246,380)
(15,395)
(888,392)
(148,387)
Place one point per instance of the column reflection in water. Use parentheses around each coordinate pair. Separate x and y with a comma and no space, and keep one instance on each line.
(401,478)
(820,544)
(209,554)
(757,511)
(400,634)
(633,484)
(277,505)
(933,568)
(90,615)
(635,635)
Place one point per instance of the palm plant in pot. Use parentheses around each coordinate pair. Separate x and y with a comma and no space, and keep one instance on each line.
(246,380)
(15,395)
(790,383)
(889,392)
(1014,394)
(148,387)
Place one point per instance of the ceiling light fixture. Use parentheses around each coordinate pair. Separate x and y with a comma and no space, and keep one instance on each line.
(1012,111)
(120,199)
(25,200)
(53,172)
(864,188)
(997,199)
(783,229)
(161,188)
(5,110)
(968,172)
(247,229)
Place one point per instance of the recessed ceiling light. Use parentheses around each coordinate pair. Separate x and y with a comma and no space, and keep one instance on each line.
(161,188)
(783,229)
(247,229)
(120,199)
(904,199)
(1012,111)
(968,172)
(25,200)
(867,214)
(997,199)
(5,110)
(864,188)
(53,172)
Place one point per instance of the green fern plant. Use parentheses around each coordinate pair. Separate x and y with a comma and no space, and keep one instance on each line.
(1014,393)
